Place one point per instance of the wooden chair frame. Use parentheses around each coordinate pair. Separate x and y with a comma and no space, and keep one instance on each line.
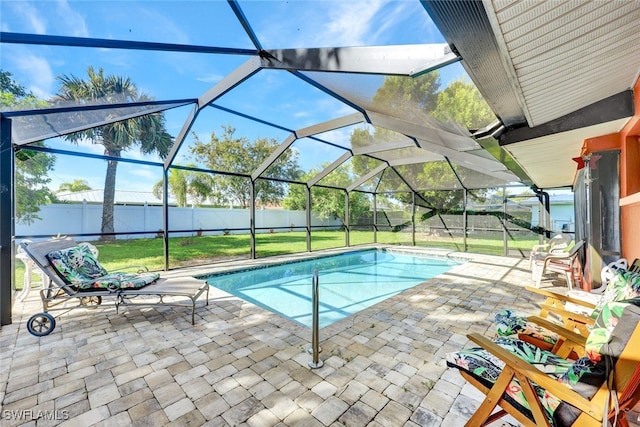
(626,381)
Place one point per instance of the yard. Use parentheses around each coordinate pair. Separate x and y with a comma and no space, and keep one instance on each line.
(186,251)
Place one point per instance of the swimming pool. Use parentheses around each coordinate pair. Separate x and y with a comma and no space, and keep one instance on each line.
(348,282)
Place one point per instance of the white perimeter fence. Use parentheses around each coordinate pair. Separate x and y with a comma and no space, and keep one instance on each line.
(86,218)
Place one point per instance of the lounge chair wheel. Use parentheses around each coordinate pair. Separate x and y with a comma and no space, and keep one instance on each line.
(41,324)
(91,301)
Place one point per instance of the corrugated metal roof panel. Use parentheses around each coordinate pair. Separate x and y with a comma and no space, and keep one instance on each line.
(567,55)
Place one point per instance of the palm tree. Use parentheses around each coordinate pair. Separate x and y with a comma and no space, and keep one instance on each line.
(75,186)
(146,131)
(183,183)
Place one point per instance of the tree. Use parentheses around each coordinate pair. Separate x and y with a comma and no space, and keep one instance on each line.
(459,104)
(74,187)
(12,91)
(328,202)
(405,96)
(228,153)
(462,103)
(31,167)
(148,132)
(183,183)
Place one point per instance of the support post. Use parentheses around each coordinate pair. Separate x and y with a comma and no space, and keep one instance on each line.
(465,220)
(375,218)
(541,220)
(165,216)
(505,234)
(6,221)
(413,218)
(346,219)
(308,218)
(252,219)
(547,214)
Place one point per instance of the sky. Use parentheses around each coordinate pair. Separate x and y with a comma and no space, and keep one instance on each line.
(271,95)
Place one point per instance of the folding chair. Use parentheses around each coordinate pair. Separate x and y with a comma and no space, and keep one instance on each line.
(575,314)
(539,388)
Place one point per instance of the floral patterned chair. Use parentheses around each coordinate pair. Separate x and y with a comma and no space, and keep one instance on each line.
(539,388)
(622,284)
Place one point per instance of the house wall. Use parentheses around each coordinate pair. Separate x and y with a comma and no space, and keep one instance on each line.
(560,214)
(628,142)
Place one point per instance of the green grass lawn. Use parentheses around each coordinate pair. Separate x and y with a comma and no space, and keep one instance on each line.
(184,251)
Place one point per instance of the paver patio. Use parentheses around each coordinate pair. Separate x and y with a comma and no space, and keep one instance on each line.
(241,365)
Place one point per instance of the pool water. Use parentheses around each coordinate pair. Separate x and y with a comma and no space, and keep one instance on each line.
(348,283)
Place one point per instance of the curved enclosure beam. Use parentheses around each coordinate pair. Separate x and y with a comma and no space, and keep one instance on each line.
(366,177)
(245,23)
(240,74)
(273,157)
(387,146)
(181,136)
(338,123)
(51,40)
(340,160)
(405,60)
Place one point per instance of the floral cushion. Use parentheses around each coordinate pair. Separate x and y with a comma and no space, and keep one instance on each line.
(612,331)
(510,324)
(625,285)
(597,343)
(486,368)
(115,281)
(78,267)
(606,341)
(76,264)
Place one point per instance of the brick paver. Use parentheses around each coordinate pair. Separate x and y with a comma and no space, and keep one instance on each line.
(242,365)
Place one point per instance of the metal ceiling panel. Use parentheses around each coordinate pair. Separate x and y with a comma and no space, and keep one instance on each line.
(547,160)
(567,55)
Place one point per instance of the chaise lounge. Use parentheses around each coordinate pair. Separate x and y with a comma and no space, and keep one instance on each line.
(75,274)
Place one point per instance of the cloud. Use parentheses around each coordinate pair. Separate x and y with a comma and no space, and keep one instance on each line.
(341,23)
(71,20)
(389,20)
(349,23)
(30,16)
(210,78)
(64,174)
(151,21)
(149,173)
(38,72)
